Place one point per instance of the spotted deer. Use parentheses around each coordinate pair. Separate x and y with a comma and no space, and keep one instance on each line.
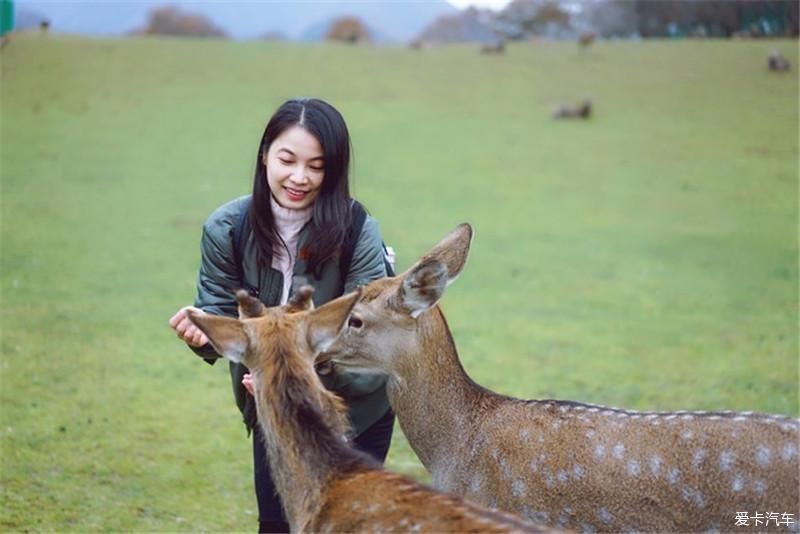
(564,463)
(326,485)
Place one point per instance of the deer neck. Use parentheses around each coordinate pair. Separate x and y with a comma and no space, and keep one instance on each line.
(304,450)
(432,395)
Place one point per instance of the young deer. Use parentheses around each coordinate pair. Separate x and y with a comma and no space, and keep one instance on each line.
(563,463)
(326,485)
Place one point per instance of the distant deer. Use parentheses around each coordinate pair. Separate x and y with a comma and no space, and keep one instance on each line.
(327,486)
(585,39)
(564,463)
(497,47)
(579,111)
(777,63)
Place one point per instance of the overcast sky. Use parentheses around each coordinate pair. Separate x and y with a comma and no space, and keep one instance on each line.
(493,4)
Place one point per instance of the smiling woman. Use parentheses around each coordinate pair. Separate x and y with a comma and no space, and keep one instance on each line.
(303,231)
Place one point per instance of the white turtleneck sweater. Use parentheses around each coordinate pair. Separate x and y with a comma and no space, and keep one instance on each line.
(288,222)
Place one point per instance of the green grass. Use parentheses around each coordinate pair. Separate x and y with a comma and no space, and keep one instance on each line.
(645,259)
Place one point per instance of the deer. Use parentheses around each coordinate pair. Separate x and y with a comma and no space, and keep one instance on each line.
(497,46)
(582,110)
(326,485)
(777,63)
(564,463)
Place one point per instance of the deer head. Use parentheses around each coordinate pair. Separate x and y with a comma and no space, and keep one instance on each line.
(247,340)
(388,309)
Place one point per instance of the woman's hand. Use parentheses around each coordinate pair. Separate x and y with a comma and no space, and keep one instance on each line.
(247,382)
(186,329)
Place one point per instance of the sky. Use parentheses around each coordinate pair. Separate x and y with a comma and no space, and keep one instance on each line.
(493,4)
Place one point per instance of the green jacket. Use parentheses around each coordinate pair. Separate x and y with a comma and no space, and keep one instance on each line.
(218,281)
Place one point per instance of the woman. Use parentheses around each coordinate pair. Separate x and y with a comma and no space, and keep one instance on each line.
(300,215)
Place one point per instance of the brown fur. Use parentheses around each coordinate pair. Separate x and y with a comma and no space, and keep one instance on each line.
(564,463)
(326,485)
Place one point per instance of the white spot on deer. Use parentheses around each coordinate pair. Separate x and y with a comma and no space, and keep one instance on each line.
(651,416)
(762,455)
(633,468)
(789,452)
(619,451)
(475,484)
(673,475)
(738,483)
(655,464)
(590,434)
(594,409)
(533,465)
(524,434)
(688,434)
(541,517)
(697,459)
(586,527)
(577,472)
(542,457)
(605,516)
(599,451)
(548,480)
(557,424)
(693,496)
(374,507)
(670,417)
(687,417)
(562,476)
(715,418)
(518,488)
(760,486)
(739,419)
(726,459)
(563,409)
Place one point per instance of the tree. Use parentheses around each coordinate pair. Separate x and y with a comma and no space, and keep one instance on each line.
(170,20)
(348,30)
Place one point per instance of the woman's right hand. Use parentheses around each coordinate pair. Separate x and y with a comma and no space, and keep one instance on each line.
(247,382)
(186,329)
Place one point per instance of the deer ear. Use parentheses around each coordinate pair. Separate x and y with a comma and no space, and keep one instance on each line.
(422,287)
(452,251)
(327,321)
(226,335)
(424,283)
(249,306)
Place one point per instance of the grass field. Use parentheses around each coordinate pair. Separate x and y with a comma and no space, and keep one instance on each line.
(645,259)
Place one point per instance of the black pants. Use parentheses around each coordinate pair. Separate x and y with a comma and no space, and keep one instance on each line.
(375,441)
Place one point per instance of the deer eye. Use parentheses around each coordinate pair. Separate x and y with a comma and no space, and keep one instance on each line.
(355,322)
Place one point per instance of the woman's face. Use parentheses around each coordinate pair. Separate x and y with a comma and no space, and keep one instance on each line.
(294,165)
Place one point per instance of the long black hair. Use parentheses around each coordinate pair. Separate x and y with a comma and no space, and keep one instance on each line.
(331,216)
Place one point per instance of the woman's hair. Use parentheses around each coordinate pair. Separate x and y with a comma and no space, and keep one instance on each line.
(331,216)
